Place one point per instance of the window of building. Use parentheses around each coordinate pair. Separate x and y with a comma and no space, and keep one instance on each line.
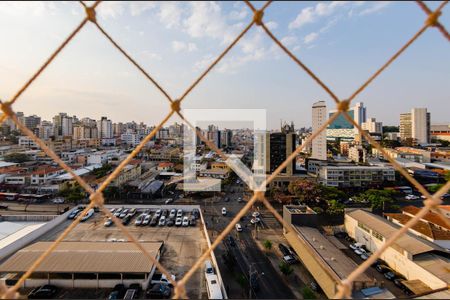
(363,227)
(377,235)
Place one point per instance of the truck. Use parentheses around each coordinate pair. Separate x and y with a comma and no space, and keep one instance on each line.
(161,278)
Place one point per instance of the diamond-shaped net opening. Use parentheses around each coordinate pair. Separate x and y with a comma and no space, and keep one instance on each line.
(96,197)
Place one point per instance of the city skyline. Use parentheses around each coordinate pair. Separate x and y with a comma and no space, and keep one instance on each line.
(100,82)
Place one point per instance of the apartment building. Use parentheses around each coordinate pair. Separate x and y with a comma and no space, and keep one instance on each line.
(355,176)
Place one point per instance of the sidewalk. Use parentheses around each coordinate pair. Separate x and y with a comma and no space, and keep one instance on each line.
(300,277)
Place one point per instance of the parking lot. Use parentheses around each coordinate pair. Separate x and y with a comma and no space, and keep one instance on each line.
(182,245)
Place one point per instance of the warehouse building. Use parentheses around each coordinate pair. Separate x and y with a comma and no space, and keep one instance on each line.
(85,264)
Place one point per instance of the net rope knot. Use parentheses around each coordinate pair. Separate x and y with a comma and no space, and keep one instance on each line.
(343,105)
(176,105)
(259,195)
(6,108)
(432,19)
(432,202)
(90,13)
(97,198)
(257,17)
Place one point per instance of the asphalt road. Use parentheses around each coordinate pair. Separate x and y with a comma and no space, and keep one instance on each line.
(248,256)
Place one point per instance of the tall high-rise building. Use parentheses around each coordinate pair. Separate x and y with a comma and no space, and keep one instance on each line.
(279,146)
(31,122)
(319,117)
(225,137)
(213,135)
(416,125)
(341,128)
(63,125)
(104,127)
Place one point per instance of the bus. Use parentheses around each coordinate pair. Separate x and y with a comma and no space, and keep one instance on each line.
(407,190)
(9,196)
(213,286)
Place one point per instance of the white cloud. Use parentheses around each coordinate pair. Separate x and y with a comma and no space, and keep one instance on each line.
(375,7)
(170,14)
(289,40)
(150,55)
(138,7)
(311,14)
(310,38)
(239,15)
(204,62)
(272,25)
(35,8)
(178,46)
(110,9)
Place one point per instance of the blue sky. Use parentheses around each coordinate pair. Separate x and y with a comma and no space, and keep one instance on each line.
(342,42)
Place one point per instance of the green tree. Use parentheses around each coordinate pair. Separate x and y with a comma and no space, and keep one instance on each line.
(286,268)
(305,189)
(17,158)
(377,198)
(447,176)
(434,188)
(267,245)
(335,207)
(307,293)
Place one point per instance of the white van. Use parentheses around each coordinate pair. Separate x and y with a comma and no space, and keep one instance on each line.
(224,211)
(208,267)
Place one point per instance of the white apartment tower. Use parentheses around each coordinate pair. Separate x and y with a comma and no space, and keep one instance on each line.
(105,129)
(416,125)
(319,117)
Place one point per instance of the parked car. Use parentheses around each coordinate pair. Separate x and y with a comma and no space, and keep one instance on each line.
(154,221)
(112,210)
(137,287)
(238,227)
(108,222)
(126,220)
(283,249)
(161,278)
(255,214)
(185,222)
(158,291)
(359,251)
(239,200)
(118,292)
(158,213)
(164,212)
(43,292)
(162,221)
(73,214)
(178,221)
(146,220)
(139,220)
(411,197)
(209,269)
(170,222)
(87,215)
(383,268)
(255,220)
(341,234)
(179,213)
(129,294)
(58,201)
(196,213)
(364,256)
(173,213)
(170,200)
(192,221)
(389,275)
(224,211)
(124,213)
(132,211)
(118,212)
(289,259)
(355,246)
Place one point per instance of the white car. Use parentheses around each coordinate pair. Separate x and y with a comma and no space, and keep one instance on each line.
(355,246)
(162,221)
(185,222)
(255,220)
(178,221)
(179,213)
(411,197)
(124,213)
(360,251)
(364,256)
(238,227)
(87,215)
(58,201)
(173,213)
(139,220)
(168,201)
(224,211)
(255,214)
(158,213)
(146,220)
